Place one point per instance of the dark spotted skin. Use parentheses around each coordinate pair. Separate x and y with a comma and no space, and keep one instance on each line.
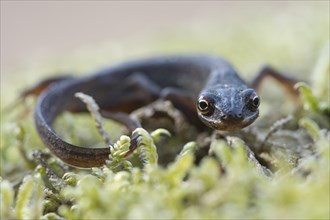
(224,100)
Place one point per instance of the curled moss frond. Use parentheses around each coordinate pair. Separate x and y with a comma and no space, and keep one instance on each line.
(146,145)
(20,136)
(118,152)
(183,163)
(51,216)
(188,149)
(221,150)
(143,144)
(29,201)
(23,197)
(312,128)
(159,134)
(47,173)
(307,97)
(70,179)
(7,199)
(320,137)
(320,75)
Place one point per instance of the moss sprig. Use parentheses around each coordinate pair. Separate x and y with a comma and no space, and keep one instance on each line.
(182,164)
(118,152)
(28,203)
(146,146)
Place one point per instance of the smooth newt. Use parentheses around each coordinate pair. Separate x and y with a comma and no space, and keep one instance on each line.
(205,88)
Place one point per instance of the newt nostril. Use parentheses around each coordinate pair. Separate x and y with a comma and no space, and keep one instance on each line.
(224,117)
(233,117)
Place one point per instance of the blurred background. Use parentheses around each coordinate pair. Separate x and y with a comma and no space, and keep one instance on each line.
(40,38)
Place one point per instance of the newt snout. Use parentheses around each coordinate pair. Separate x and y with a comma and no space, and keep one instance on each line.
(232,116)
(228,108)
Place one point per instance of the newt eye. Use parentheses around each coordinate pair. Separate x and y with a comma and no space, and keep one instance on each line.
(205,106)
(256,101)
(253,102)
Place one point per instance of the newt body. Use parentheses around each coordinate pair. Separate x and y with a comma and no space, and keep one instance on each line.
(224,100)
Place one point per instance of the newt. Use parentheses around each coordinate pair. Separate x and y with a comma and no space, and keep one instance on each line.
(205,88)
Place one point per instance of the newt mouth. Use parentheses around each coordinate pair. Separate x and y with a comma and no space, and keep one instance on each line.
(229,124)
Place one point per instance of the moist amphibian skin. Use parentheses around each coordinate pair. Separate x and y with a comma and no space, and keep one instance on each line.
(205,88)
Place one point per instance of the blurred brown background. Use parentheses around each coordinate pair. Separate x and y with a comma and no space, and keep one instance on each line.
(30,28)
(37,28)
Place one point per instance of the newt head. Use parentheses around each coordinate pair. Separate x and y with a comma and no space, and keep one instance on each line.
(228,108)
